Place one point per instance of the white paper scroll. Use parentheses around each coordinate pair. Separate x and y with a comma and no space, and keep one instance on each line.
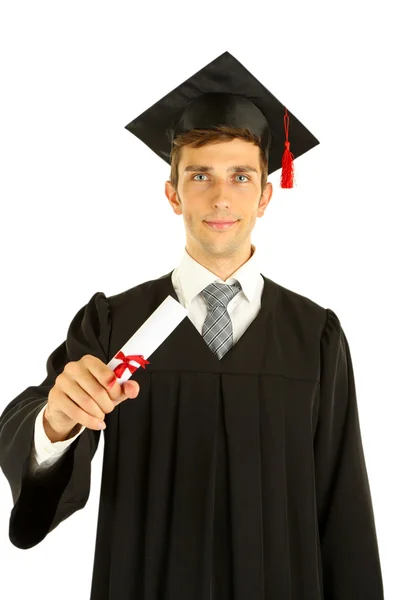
(151,334)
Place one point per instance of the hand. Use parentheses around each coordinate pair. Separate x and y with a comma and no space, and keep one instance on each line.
(82,395)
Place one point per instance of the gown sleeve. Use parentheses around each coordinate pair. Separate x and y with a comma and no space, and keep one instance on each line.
(349,549)
(41,503)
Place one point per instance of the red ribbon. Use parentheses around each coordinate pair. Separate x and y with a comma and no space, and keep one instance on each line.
(119,369)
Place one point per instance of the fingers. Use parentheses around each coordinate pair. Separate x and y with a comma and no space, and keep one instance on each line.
(74,412)
(86,391)
(73,390)
(107,384)
(94,386)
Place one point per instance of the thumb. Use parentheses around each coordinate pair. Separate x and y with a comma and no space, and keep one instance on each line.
(130,389)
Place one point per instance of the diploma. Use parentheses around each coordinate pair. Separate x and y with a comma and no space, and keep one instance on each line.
(147,339)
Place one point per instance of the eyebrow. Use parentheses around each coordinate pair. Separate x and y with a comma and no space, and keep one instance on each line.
(235,169)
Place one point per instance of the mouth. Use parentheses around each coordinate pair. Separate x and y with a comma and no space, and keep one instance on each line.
(221,225)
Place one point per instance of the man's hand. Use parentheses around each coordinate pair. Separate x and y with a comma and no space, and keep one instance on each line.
(82,394)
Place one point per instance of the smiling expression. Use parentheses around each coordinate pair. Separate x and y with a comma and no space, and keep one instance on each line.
(219,182)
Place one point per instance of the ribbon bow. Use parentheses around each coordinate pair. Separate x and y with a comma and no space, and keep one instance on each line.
(119,369)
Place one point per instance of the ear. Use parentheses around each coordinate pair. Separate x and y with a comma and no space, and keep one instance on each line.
(265,198)
(172,196)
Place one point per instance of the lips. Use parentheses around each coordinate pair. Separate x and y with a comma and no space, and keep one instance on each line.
(220,224)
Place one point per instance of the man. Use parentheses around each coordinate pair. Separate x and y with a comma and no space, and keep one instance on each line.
(237,470)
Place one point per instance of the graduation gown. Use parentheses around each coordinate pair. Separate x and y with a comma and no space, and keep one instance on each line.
(242,478)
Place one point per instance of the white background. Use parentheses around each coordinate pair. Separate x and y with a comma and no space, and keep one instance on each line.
(83,207)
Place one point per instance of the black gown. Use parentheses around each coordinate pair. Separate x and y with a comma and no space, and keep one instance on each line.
(242,478)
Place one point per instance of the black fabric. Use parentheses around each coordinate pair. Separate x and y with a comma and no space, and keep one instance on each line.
(242,478)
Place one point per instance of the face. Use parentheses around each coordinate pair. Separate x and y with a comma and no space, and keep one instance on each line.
(219,182)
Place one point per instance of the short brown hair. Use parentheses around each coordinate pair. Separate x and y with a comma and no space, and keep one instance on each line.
(196,138)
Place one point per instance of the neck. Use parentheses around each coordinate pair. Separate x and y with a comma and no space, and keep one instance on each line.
(222,266)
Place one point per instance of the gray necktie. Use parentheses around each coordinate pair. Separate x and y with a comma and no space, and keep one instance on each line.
(217,328)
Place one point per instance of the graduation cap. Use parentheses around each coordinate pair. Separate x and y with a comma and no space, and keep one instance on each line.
(224,92)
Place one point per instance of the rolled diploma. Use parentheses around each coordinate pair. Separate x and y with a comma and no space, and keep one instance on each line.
(151,334)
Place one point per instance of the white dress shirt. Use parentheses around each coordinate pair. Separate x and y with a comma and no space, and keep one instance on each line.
(188,279)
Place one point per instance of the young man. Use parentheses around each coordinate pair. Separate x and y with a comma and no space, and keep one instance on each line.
(237,471)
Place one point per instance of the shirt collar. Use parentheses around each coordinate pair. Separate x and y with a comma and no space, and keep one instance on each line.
(193,277)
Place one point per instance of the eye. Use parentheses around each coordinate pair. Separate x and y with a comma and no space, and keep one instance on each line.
(238,175)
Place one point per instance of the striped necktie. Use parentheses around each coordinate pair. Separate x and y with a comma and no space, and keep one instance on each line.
(217,328)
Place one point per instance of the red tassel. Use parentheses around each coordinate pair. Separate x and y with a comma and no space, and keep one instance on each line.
(287,176)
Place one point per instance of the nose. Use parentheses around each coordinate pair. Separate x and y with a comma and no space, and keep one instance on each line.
(221,194)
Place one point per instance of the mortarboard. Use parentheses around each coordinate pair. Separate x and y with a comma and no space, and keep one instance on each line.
(224,92)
